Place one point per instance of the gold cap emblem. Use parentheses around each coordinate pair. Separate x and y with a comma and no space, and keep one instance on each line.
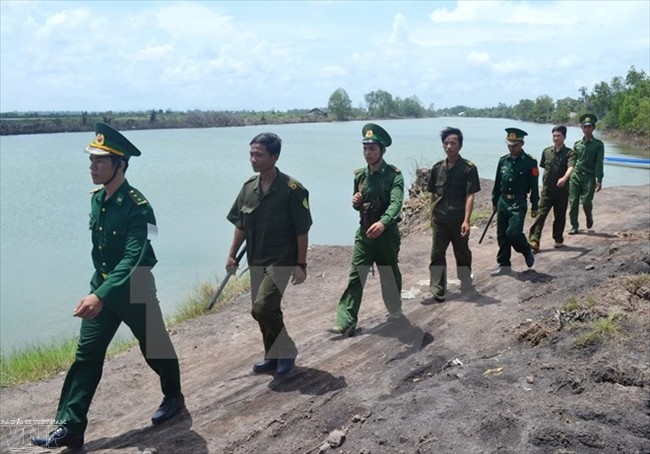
(512,136)
(99,139)
(369,133)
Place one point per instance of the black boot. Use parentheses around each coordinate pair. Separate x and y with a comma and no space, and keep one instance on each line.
(59,438)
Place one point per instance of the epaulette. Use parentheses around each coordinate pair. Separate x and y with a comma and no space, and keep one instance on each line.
(396,169)
(95,190)
(469,163)
(137,197)
(251,178)
(439,162)
(293,184)
(359,170)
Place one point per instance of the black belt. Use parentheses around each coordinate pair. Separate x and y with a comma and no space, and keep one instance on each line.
(514,196)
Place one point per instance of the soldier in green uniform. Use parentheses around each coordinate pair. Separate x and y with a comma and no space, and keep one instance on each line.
(558,162)
(378,194)
(122,289)
(516,177)
(453,183)
(587,177)
(271,213)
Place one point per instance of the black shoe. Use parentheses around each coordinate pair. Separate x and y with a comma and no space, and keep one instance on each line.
(530,258)
(285,365)
(265,366)
(573,231)
(59,438)
(168,408)
(590,222)
(501,271)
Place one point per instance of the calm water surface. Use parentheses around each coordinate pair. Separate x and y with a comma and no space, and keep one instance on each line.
(191,178)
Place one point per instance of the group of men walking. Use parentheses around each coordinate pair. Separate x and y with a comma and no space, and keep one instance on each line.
(271,218)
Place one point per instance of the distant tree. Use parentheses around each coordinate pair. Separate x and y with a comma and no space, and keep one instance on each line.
(84,118)
(410,107)
(543,109)
(523,110)
(380,104)
(340,105)
(152,116)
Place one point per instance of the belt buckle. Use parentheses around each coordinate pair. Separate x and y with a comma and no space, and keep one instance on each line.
(510,196)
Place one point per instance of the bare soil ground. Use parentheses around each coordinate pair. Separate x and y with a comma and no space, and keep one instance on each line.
(496,370)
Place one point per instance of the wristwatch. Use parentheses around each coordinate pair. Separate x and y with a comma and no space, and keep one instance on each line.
(302,265)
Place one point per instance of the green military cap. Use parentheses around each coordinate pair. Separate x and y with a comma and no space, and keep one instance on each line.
(515,135)
(109,141)
(588,119)
(375,133)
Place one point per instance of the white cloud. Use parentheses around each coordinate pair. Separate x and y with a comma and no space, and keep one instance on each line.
(122,55)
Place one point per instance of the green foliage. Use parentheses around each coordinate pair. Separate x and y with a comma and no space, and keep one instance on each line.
(340,105)
(599,330)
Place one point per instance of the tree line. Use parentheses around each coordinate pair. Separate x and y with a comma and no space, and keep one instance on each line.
(623,104)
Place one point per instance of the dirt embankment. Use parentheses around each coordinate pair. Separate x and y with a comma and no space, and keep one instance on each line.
(549,360)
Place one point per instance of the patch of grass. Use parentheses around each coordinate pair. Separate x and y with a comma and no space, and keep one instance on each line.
(571,304)
(38,361)
(479,216)
(599,330)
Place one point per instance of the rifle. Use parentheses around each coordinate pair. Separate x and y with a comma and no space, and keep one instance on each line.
(487,226)
(228,275)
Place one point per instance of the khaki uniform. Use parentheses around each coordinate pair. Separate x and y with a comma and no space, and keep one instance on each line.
(450,188)
(271,223)
(555,165)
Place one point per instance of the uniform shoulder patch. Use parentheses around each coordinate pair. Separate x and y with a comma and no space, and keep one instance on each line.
(469,163)
(137,197)
(293,184)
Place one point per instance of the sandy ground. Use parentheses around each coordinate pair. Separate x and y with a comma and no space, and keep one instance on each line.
(495,370)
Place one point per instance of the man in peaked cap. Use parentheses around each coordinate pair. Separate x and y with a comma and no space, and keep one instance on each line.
(378,194)
(587,176)
(517,176)
(122,289)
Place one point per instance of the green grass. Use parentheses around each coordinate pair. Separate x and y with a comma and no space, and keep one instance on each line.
(38,361)
(599,330)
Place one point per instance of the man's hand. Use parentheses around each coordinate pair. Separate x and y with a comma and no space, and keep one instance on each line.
(89,307)
(298,275)
(533,213)
(599,186)
(375,230)
(357,200)
(561,182)
(231,265)
(464,229)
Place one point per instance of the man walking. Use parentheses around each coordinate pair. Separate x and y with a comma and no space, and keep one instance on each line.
(378,195)
(587,177)
(122,289)
(271,213)
(558,162)
(453,183)
(516,177)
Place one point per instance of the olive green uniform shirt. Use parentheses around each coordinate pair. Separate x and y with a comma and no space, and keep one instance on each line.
(517,177)
(272,221)
(590,157)
(555,165)
(451,187)
(120,229)
(383,195)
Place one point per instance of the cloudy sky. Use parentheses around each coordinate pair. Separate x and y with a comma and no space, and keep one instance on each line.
(121,55)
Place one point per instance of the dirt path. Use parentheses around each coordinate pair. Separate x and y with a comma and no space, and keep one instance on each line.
(488,372)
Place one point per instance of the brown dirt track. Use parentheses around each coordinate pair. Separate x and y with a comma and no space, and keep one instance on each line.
(493,371)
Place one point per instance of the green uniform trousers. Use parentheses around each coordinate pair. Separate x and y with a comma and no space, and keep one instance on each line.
(383,251)
(445,232)
(581,190)
(268,284)
(510,229)
(140,310)
(558,201)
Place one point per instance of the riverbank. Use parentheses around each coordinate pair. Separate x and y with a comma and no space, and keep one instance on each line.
(554,359)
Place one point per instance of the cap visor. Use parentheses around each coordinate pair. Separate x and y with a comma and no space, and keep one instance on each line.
(512,142)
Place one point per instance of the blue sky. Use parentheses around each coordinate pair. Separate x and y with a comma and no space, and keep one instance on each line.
(245,55)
